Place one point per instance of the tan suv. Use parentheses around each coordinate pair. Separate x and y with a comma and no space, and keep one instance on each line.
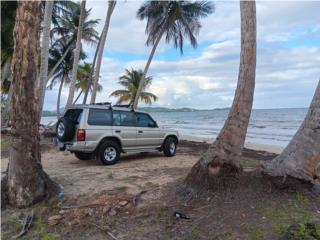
(105,131)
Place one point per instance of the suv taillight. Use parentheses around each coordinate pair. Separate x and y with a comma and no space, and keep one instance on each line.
(81,135)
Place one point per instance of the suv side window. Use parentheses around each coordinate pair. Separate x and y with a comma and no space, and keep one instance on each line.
(144,120)
(124,119)
(100,117)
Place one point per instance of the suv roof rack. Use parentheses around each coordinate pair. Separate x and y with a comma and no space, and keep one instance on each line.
(124,106)
(107,104)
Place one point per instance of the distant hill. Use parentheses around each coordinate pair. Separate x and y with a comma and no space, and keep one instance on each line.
(163,109)
(49,113)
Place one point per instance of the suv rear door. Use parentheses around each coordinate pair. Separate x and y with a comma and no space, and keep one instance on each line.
(148,133)
(124,127)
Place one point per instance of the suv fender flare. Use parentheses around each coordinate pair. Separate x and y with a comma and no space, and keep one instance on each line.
(114,139)
(172,136)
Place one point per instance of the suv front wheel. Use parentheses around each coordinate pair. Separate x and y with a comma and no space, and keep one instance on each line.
(109,153)
(170,147)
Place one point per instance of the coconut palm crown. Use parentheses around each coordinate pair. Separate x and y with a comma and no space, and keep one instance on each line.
(130,80)
(175,19)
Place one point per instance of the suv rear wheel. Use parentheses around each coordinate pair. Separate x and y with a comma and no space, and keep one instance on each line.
(170,147)
(83,156)
(65,129)
(109,153)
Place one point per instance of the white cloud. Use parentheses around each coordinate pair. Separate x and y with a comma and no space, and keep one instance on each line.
(287,59)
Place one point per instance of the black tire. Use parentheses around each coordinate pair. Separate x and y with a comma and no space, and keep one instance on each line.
(170,147)
(114,153)
(65,129)
(83,156)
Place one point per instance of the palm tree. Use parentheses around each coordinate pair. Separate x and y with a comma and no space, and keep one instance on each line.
(130,80)
(66,31)
(301,157)
(99,50)
(27,182)
(76,55)
(175,20)
(44,53)
(63,71)
(84,82)
(222,160)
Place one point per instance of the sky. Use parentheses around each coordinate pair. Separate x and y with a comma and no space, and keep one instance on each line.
(288,56)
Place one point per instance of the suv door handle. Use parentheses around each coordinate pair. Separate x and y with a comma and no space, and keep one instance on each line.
(140,131)
(118,131)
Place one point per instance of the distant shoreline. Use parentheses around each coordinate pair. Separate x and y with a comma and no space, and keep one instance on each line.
(48,113)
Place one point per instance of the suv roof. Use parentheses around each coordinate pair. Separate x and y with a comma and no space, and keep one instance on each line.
(105,106)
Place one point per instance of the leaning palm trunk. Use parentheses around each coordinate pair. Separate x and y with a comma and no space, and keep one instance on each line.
(27,183)
(100,48)
(59,98)
(299,160)
(222,160)
(77,98)
(53,70)
(146,69)
(85,97)
(76,55)
(45,54)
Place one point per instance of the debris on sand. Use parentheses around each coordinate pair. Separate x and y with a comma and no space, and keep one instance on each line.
(54,220)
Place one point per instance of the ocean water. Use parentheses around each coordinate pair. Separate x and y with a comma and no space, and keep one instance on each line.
(273,127)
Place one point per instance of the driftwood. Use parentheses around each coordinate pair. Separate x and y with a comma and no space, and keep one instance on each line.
(26,225)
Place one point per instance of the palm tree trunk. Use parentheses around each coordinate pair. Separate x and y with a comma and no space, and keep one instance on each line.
(145,71)
(76,55)
(52,71)
(222,160)
(59,98)
(299,160)
(78,97)
(45,54)
(100,48)
(27,183)
(92,72)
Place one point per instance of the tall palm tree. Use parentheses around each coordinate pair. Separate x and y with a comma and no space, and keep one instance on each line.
(44,53)
(27,182)
(99,51)
(66,31)
(301,157)
(222,160)
(84,82)
(76,54)
(174,19)
(130,80)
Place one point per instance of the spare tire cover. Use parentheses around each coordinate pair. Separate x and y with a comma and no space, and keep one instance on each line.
(65,129)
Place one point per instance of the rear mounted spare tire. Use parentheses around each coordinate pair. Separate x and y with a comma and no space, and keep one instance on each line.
(65,129)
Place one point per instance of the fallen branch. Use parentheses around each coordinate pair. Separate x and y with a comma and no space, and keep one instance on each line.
(104,230)
(137,197)
(26,225)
